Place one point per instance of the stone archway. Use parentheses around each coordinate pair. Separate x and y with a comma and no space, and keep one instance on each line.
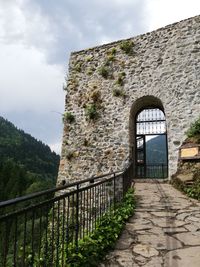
(140,139)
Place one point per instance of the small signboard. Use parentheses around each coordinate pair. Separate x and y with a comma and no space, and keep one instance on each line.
(191,151)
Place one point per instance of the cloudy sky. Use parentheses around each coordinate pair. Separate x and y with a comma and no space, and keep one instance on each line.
(37,36)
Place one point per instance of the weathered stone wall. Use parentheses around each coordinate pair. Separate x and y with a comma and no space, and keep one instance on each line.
(163,68)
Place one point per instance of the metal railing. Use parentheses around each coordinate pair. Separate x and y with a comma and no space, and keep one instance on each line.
(37,230)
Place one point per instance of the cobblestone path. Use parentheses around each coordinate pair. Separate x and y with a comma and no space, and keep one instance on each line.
(164,231)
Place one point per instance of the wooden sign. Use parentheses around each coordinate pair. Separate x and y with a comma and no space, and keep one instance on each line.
(191,152)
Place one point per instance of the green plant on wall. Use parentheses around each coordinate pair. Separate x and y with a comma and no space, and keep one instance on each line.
(78,66)
(91,111)
(88,58)
(113,51)
(127,46)
(109,59)
(95,96)
(69,117)
(120,78)
(118,92)
(104,71)
(72,82)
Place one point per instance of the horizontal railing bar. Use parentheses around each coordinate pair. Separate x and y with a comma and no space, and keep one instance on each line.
(55,199)
(17,200)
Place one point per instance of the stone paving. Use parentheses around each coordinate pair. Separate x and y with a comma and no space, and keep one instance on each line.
(164,231)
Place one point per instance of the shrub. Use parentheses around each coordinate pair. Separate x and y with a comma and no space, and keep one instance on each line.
(91,111)
(113,51)
(194,129)
(192,191)
(72,83)
(69,117)
(104,71)
(110,58)
(95,96)
(127,46)
(78,66)
(120,79)
(118,92)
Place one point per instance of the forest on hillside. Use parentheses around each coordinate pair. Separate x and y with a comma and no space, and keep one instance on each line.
(156,150)
(26,164)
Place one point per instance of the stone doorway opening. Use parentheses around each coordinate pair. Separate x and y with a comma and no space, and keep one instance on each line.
(148,138)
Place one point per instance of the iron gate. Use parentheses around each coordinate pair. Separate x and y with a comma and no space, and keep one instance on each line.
(151,144)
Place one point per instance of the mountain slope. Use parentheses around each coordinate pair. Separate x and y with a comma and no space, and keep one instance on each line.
(26,164)
(156,151)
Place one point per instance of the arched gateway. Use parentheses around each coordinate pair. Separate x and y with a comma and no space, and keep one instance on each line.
(149,81)
(148,138)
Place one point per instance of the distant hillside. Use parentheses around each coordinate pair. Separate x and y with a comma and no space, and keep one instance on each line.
(26,164)
(156,150)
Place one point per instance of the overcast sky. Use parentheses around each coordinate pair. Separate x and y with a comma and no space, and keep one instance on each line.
(37,36)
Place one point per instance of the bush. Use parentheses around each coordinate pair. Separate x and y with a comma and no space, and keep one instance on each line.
(118,92)
(78,66)
(127,46)
(194,129)
(120,79)
(69,117)
(91,112)
(104,71)
(192,191)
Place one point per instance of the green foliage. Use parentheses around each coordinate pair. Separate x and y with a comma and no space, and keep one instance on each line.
(104,71)
(113,51)
(127,46)
(95,96)
(78,66)
(194,129)
(192,191)
(91,112)
(69,117)
(26,164)
(72,83)
(120,79)
(93,248)
(110,58)
(118,92)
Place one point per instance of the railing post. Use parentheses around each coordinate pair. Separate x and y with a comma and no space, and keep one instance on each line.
(77,217)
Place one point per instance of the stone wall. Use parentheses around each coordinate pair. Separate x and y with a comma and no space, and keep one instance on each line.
(113,81)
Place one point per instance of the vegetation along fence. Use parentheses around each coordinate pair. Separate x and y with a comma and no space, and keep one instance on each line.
(40,229)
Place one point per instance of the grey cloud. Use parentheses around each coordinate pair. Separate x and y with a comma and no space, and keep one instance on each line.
(75,25)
